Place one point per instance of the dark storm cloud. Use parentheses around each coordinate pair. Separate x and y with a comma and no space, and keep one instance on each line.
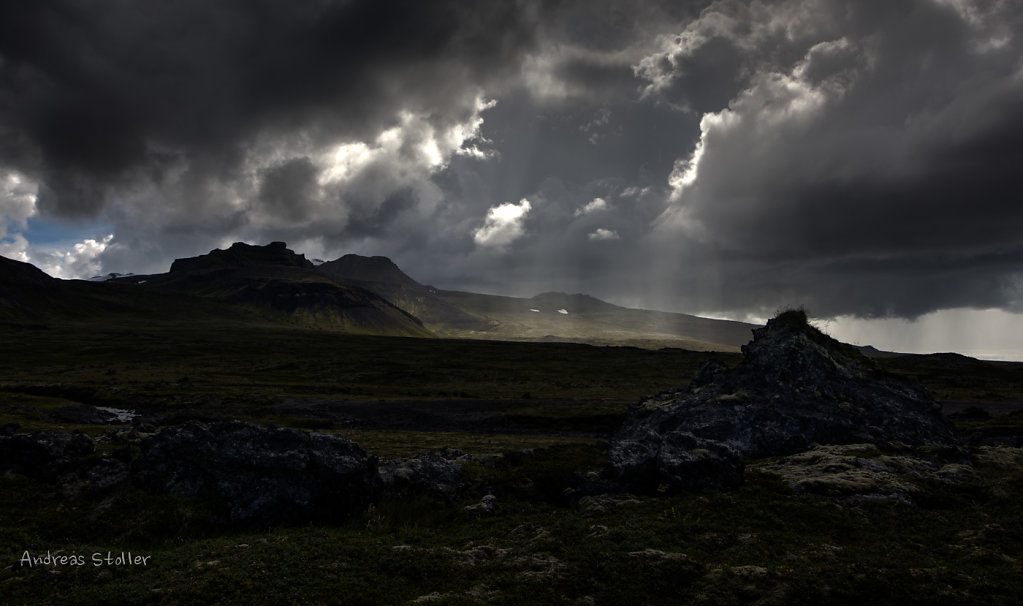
(715,155)
(288,189)
(901,285)
(865,164)
(97,90)
(627,142)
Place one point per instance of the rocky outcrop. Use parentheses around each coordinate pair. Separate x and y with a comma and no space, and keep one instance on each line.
(248,476)
(242,255)
(677,460)
(66,459)
(794,387)
(44,455)
(254,476)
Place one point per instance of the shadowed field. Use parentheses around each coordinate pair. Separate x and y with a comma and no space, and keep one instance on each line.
(549,408)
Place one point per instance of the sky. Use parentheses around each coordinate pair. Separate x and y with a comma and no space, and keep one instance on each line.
(726,158)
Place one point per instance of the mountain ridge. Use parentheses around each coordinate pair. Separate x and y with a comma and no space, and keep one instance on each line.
(362,294)
(353,293)
(276,278)
(244,283)
(548,316)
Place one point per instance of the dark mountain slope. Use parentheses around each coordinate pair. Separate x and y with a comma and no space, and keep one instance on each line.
(382,276)
(274,278)
(243,284)
(371,270)
(25,288)
(29,294)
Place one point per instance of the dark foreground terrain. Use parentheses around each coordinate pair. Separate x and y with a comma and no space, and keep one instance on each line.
(835,524)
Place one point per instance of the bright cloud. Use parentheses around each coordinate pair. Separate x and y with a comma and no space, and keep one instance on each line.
(318,184)
(603,234)
(17,200)
(81,262)
(17,203)
(594,205)
(345,160)
(503,225)
(13,247)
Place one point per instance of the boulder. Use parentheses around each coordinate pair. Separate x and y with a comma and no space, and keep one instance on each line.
(428,474)
(45,454)
(100,477)
(794,387)
(677,460)
(255,476)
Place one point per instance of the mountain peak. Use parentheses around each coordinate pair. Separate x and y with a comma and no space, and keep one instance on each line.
(375,270)
(243,255)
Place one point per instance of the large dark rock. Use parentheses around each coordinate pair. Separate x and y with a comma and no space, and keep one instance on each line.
(64,459)
(254,476)
(676,460)
(794,387)
(45,454)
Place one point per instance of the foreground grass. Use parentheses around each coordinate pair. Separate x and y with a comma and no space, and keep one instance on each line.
(391,444)
(755,544)
(759,543)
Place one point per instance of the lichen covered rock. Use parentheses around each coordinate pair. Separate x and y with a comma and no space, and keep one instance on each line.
(675,460)
(429,474)
(860,472)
